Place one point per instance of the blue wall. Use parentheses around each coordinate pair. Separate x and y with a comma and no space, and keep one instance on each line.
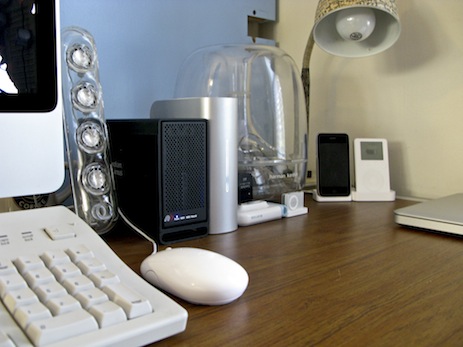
(142,43)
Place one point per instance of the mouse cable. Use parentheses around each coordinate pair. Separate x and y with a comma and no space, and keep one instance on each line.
(138,230)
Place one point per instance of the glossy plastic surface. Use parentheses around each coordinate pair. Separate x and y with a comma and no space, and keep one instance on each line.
(272,118)
(196,275)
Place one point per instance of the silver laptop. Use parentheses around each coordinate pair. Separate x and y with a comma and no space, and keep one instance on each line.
(443,215)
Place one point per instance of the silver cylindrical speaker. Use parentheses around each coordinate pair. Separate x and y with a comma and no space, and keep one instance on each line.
(222,116)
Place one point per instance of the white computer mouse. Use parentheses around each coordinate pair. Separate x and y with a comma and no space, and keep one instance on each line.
(196,275)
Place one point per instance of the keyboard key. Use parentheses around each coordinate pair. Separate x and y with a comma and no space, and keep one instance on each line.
(46,331)
(108,313)
(63,304)
(49,291)
(11,282)
(28,263)
(60,233)
(20,297)
(103,278)
(53,258)
(79,252)
(5,340)
(91,297)
(133,303)
(77,284)
(24,315)
(7,267)
(38,276)
(66,270)
(89,266)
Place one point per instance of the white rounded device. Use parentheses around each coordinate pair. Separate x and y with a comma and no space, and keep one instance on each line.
(371,171)
(196,275)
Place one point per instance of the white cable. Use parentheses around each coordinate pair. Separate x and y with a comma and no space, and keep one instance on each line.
(138,230)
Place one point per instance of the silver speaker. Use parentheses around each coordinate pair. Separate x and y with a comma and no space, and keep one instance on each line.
(222,116)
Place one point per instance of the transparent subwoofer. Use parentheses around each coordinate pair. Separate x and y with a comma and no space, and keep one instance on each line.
(272,118)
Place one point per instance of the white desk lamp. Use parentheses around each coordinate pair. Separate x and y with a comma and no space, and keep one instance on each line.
(351,28)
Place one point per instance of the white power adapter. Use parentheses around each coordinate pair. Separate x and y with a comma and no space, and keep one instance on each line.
(259,211)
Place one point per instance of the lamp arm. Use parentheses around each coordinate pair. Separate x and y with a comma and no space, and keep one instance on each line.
(305,74)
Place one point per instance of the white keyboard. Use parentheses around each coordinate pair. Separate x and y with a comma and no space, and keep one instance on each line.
(61,285)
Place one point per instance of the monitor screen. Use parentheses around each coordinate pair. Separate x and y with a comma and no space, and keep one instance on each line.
(28,57)
(31,129)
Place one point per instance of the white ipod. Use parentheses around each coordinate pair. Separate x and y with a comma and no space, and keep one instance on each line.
(294,203)
(371,163)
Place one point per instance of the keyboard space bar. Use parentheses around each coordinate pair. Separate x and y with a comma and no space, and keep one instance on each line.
(61,327)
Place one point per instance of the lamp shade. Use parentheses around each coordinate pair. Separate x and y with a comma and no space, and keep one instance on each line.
(356,28)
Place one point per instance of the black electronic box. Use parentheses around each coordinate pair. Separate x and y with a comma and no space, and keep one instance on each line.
(160,168)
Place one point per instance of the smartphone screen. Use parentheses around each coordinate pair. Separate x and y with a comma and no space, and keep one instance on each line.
(333,176)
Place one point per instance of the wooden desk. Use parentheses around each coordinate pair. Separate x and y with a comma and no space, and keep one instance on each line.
(344,274)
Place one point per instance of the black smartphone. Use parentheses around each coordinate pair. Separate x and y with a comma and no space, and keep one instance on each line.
(333,173)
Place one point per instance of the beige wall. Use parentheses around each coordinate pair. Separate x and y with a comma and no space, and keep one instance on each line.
(412,94)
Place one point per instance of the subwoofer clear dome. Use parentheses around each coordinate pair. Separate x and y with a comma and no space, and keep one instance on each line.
(272,117)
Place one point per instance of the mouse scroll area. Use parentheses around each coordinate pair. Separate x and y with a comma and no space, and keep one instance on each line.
(196,275)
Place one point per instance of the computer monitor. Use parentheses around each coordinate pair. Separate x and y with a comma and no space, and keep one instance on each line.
(31,126)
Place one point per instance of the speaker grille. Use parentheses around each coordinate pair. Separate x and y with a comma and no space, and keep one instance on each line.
(184,183)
